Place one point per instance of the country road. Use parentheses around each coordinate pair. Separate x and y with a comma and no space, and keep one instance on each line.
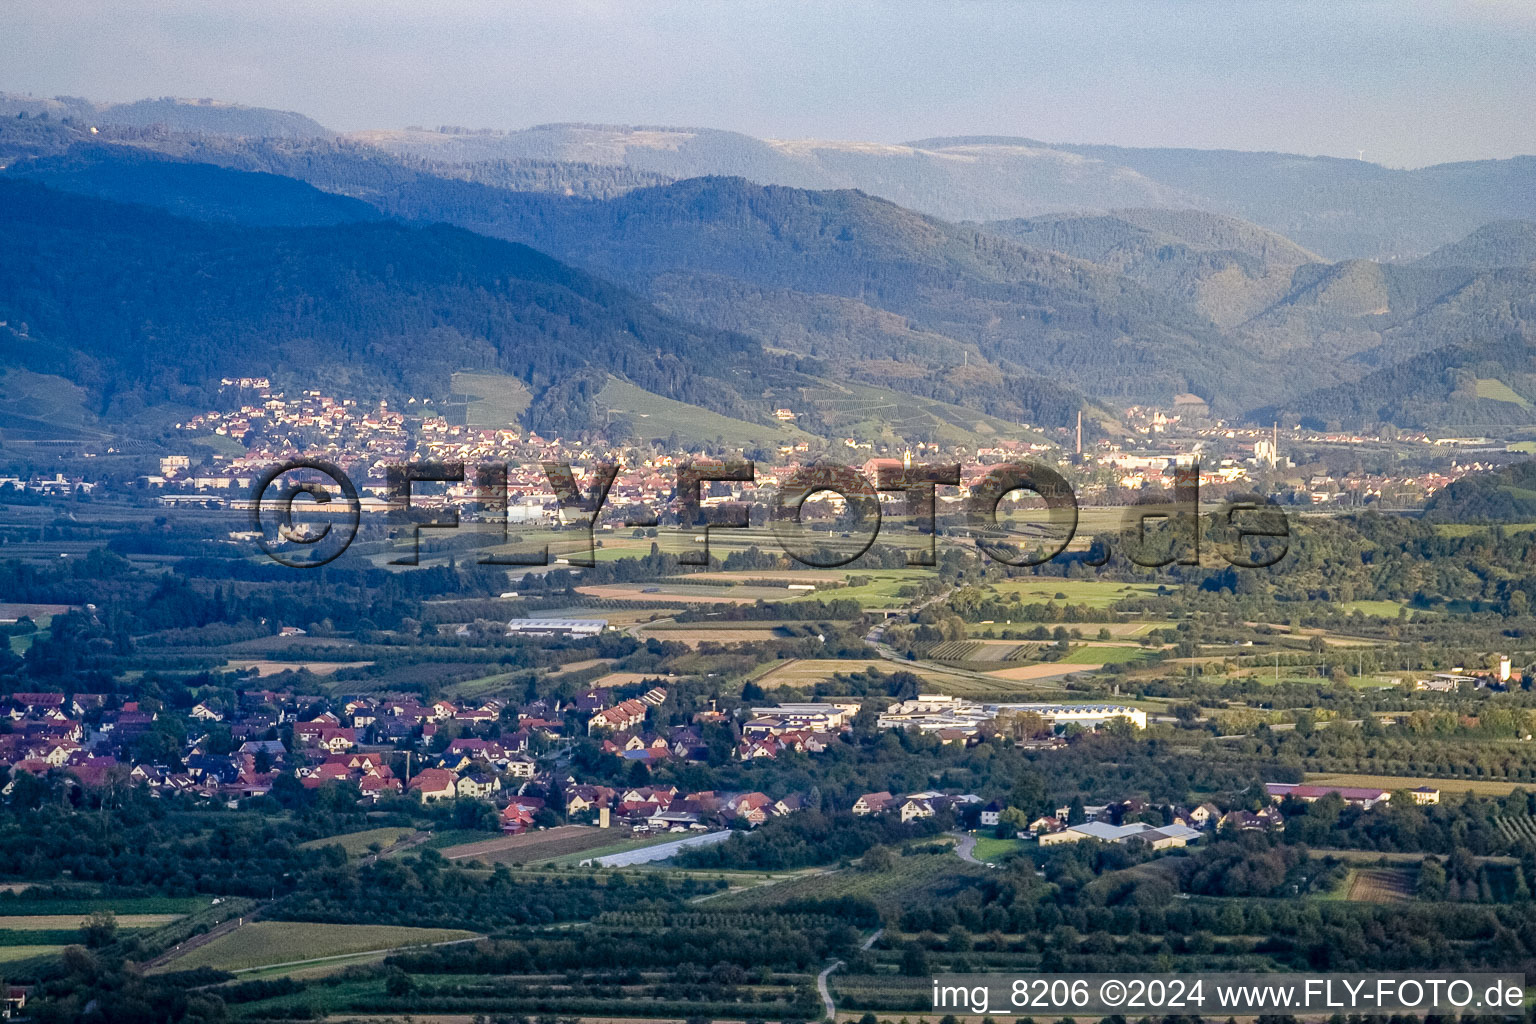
(821,979)
(876,639)
(965,844)
(416,839)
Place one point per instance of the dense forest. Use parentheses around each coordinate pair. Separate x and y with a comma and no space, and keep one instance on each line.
(378,304)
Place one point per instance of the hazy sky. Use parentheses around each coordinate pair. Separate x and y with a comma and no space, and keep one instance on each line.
(1407,82)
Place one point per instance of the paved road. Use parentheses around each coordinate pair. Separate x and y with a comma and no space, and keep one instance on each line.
(965,844)
(829,1010)
(821,979)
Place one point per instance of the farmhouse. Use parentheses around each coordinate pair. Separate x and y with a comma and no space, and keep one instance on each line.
(434,784)
(872,803)
(913,807)
(478,784)
(1133,832)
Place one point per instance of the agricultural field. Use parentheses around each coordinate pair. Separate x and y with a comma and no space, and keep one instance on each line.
(265,943)
(654,416)
(21,644)
(681,594)
(982,652)
(882,589)
(993,850)
(623,678)
(1043,671)
(532,847)
(11,954)
(43,407)
(1496,390)
(1105,654)
(1518,829)
(68,922)
(1377,609)
(832,577)
(1379,885)
(914,879)
(1002,651)
(1468,529)
(1483,787)
(747,633)
(487,400)
(801,672)
(479,687)
(12,907)
(359,844)
(1395,857)
(1091,593)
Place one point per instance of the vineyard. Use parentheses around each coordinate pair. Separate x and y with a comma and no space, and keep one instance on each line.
(1517,828)
(1380,885)
(921,878)
(978,651)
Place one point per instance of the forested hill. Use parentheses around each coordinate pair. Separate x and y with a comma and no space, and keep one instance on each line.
(1507,243)
(194,190)
(1505,496)
(929,364)
(705,243)
(1016,320)
(1228,269)
(143,308)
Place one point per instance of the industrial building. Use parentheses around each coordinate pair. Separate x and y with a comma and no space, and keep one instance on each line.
(556,627)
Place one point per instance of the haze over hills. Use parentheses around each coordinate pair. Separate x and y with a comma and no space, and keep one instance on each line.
(185,115)
(1337,208)
(1340,208)
(1015,319)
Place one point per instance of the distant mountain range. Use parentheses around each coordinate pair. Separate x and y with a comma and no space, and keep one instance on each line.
(180,115)
(1058,279)
(1340,208)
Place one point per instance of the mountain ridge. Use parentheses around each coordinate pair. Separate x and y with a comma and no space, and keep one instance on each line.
(141,306)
